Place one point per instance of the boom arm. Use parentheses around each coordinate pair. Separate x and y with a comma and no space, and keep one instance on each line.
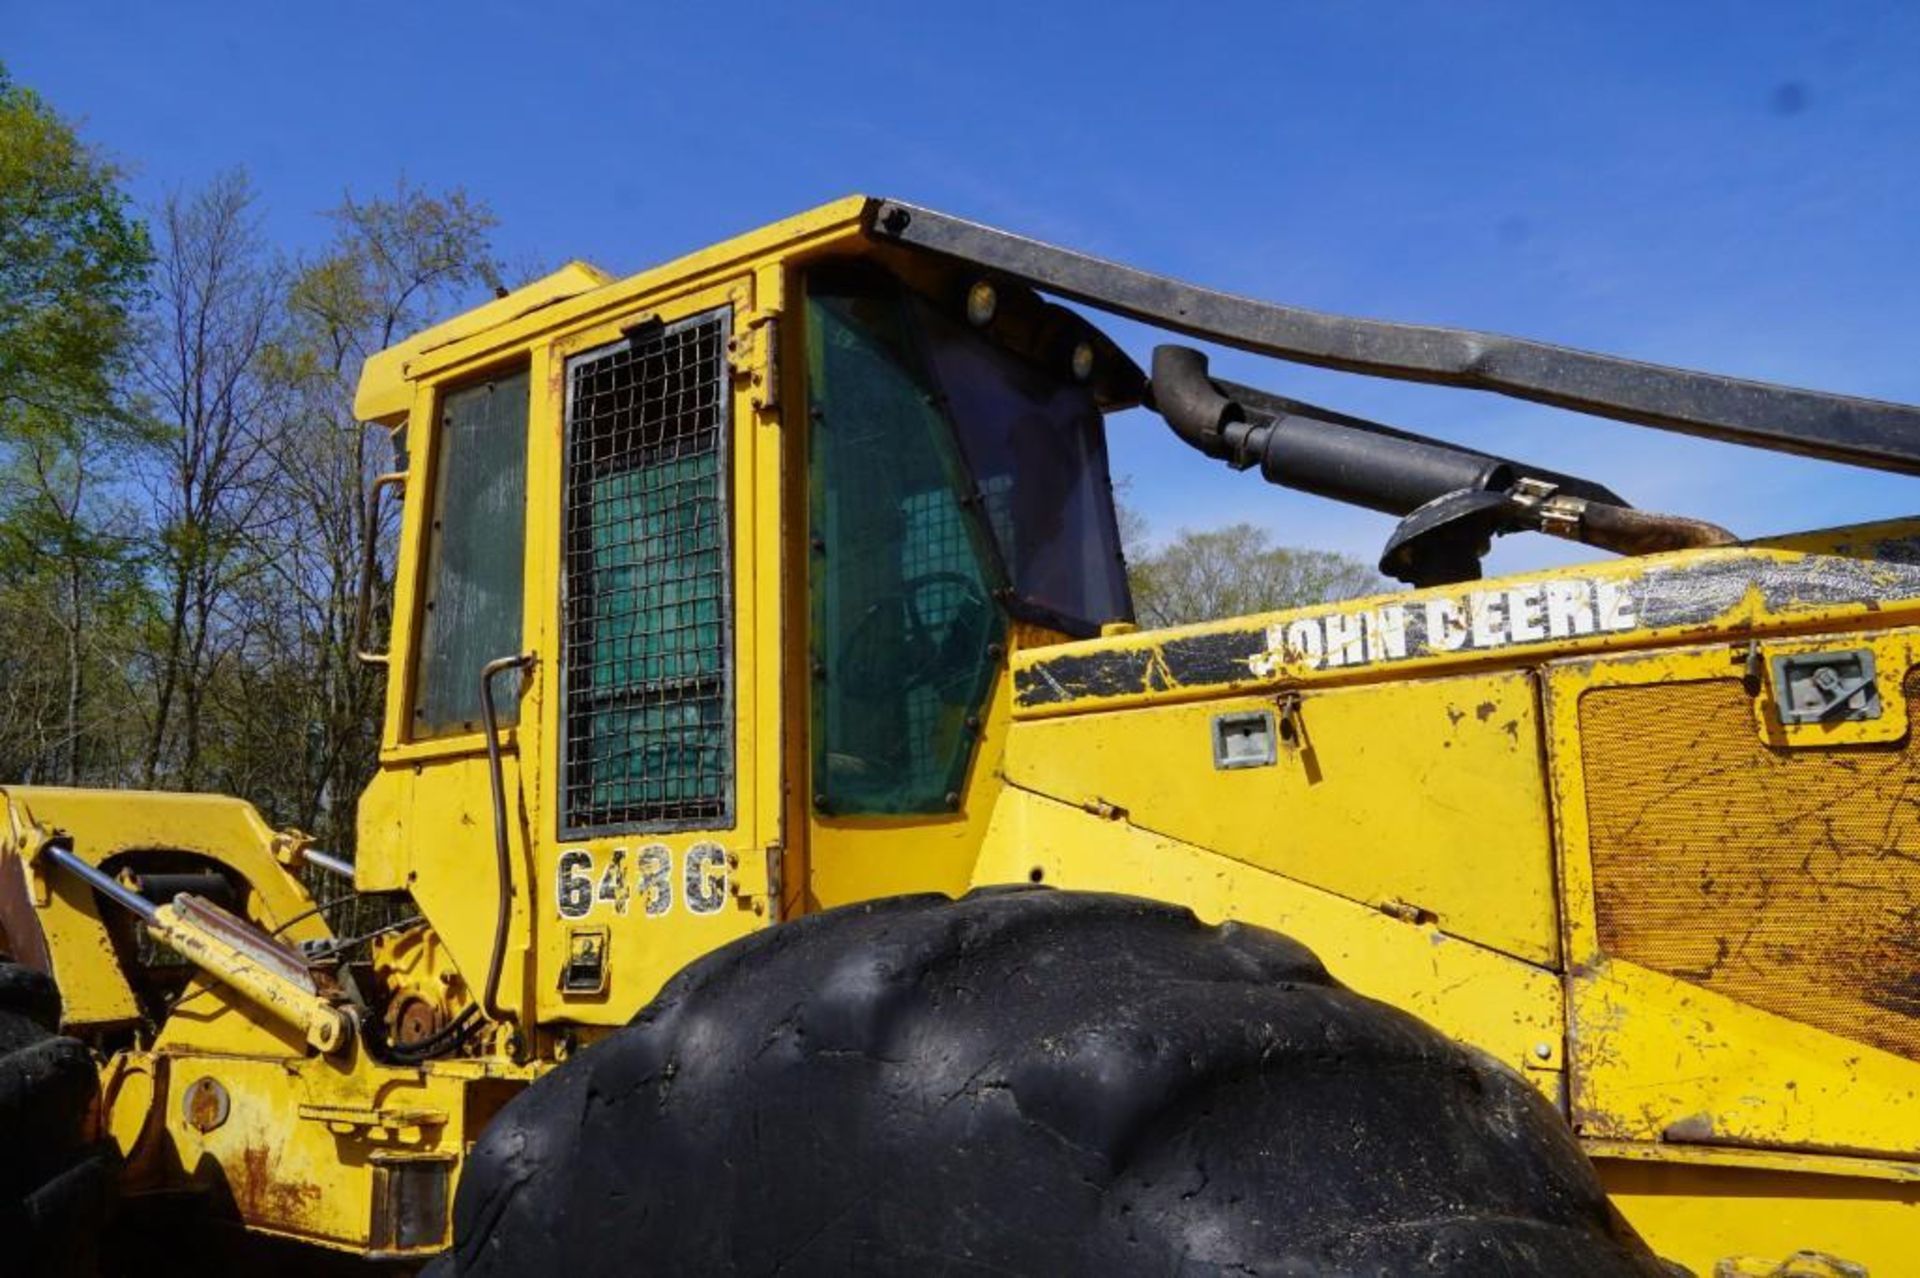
(1843,428)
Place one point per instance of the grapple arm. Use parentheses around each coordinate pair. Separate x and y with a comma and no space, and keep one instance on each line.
(1843,428)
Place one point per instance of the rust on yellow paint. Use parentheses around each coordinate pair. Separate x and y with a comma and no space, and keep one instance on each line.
(1781,877)
(1729,1044)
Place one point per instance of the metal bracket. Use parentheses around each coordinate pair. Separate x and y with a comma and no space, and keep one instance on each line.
(1558,514)
(753,354)
(757,881)
(344,1120)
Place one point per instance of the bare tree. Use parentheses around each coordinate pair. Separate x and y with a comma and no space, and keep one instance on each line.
(203,373)
(395,265)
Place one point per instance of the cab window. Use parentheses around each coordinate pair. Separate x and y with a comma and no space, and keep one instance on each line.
(471,603)
(902,581)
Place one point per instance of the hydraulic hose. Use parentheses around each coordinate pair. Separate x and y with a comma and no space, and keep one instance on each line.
(1627,531)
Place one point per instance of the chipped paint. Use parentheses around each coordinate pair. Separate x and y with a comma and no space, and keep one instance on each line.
(1631,603)
(265,1194)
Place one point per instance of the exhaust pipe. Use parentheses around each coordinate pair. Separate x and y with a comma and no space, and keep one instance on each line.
(1452,500)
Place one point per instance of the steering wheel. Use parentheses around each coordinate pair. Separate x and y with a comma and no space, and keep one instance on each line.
(915,655)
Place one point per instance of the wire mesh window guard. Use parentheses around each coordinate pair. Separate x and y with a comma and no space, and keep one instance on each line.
(647,695)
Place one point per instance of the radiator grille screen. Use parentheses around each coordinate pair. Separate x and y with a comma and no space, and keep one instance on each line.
(648,706)
(1786,879)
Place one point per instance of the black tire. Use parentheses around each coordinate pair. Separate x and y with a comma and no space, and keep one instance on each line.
(56,1178)
(1029,1082)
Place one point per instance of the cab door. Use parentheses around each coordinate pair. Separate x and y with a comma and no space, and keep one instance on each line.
(661,759)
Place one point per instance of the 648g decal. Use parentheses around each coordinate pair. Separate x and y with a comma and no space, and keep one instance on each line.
(644,878)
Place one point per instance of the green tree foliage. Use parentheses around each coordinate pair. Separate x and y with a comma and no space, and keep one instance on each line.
(1233,571)
(73,267)
(72,604)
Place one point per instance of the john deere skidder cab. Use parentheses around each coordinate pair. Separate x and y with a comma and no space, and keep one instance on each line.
(805,865)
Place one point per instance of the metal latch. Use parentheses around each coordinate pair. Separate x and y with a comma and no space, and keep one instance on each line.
(1244,740)
(586,967)
(1826,687)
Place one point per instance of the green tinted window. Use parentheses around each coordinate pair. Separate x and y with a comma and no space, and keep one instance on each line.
(902,618)
(471,609)
(648,732)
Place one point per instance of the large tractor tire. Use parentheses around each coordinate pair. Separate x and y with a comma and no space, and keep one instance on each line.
(56,1178)
(1029,1082)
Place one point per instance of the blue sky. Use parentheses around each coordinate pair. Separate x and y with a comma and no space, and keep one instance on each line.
(1726,186)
